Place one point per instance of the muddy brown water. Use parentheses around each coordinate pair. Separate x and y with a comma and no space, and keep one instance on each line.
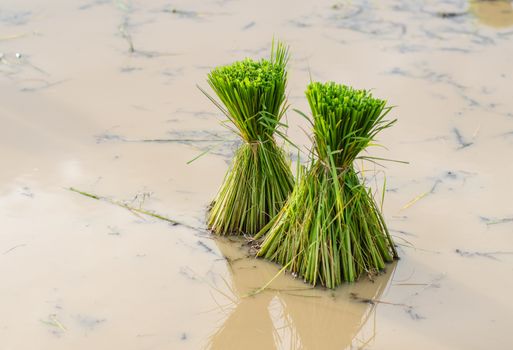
(101,96)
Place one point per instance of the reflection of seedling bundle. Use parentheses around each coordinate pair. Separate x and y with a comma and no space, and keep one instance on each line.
(260,180)
(331,229)
(288,315)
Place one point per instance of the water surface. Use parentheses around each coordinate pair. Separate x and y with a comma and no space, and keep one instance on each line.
(101,96)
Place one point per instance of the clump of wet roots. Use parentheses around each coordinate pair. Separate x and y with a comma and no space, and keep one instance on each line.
(331,229)
(259,181)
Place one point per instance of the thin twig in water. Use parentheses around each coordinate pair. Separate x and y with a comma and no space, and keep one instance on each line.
(127,36)
(176,140)
(461,141)
(373,301)
(13,36)
(489,255)
(11,249)
(264,287)
(490,221)
(134,209)
(422,195)
(415,200)
(54,322)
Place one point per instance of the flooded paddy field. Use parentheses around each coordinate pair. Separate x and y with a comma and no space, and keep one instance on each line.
(100,96)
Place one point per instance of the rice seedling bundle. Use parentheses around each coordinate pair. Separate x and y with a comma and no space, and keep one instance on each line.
(331,229)
(259,181)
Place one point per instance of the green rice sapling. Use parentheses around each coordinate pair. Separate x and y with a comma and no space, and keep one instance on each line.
(252,95)
(331,229)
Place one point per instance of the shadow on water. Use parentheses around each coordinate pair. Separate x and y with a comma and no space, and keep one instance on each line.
(289,314)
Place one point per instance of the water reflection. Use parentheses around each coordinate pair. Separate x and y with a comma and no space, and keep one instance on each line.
(494,13)
(290,314)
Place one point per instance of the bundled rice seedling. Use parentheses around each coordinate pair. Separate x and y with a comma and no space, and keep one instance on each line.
(259,180)
(331,229)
